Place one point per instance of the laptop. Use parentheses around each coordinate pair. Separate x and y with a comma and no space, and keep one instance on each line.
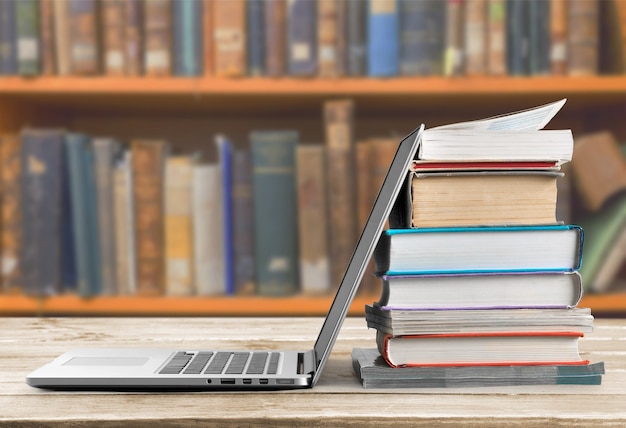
(183,369)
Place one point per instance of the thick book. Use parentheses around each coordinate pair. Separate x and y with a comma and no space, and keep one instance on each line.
(42,162)
(255,32)
(312,219)
(301,20)
(157,37)
(11,220)
(113,29)
(84,46)
(28,45)
(8,47)
(480,249)
(243,223)
(148,169)
(408,322)
(275,215)
(229,38)
(178,226)
(383,43)
(481,291)
(481,349)
(374,372)
(186,34)
(422,37)
(275,32)
(105,151)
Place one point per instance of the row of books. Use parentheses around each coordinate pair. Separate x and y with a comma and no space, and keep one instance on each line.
(481,301)
(326,38)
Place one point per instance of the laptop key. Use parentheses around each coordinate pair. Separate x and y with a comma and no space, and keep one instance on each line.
(257,363)
(177,363)
(238,363)
(272,367)
(217,364)
(198,363)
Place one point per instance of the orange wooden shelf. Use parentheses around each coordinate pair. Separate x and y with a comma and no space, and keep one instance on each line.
(220,306)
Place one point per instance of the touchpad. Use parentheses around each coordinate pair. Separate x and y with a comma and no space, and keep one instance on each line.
(107,361)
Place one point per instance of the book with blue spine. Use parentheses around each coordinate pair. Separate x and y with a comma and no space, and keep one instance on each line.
(255,31)
(225,150)
(383,48)
(302,37)
(186,28)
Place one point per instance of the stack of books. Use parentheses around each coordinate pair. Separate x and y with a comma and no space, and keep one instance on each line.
(480,281)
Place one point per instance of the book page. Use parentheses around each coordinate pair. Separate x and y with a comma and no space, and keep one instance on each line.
(524,120)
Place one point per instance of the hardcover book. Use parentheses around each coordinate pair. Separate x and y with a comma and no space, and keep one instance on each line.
(8,48)
(558,37)
(229,37)
(275,23)
(133,37)
(383,47)
(84,52)
(356,38)
(225,154)
(243,223)
(28,44)
(187,45)
(328,37)
(124,226)
(113,26)
(275,215)
(422,37)
(302,37)
(255,32)
(583,44)
(496,38)
(46,37)
(157,51)
(476,37)
(61,37)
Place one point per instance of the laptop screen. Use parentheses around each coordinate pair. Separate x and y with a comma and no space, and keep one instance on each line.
(365,247)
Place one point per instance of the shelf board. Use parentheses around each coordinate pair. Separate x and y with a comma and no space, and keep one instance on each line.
(221,306)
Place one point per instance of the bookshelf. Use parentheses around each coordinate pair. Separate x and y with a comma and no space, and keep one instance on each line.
(206,105)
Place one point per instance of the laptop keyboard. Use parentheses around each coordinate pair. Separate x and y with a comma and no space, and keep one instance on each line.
(222,363)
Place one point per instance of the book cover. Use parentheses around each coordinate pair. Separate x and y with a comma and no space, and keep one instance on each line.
(12,214)
(243,223)
(186,31)
(105,150)
(229,35)
(133,37)
(157,34)
(476,37)
(275,22)
(255,32)
(583,44)
(312,219)
(340,179)
(208,236)
(148,164)
(383,46)
(470,250)
(327,38)
(83,49)
(302,24)
(27,37)
(79,158)
(113,29)
(374,372)
(124,231)
(41,207)
(558,37)
(422,37)
(275,216)
(356,38)
(481,349)
(178,226)
(46,35)
(8,47)
(61,37)
(225,154)
(453,63)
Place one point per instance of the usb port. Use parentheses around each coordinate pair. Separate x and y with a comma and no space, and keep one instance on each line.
(263,381)
(247,381)
(284,382)
(228,381)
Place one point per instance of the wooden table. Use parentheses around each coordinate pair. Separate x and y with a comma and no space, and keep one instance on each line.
(338,399)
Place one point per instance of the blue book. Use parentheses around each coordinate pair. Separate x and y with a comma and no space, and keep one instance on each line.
(302,37)
(383,48)
(225,160)
(8,54)
(69,278)
(187,37)
(484,249)
(255,12)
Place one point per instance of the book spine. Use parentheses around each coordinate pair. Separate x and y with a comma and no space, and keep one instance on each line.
(8,54)
(255,32)
(422,36)
(558,37)
(453,62)
(383,48)
(539,38)
(356,38)
(83,37)
(157,49)
(123,230)
(207,36)
(517,37)
(496,49)
(339,118)
(312,221)
(133,37)
(583,44)
(302,37)
(327,37)
(41,191)
(178,226)
(229,32)
(12,217)
(187,43)
(105,150)
(148,176)
(28,43)
(114,31)
(243,223)
(274,189)
(61,37)
(476,25)
(225,149)
(275,37)
(46,31)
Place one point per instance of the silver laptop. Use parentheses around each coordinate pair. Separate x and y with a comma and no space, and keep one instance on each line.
(165,369)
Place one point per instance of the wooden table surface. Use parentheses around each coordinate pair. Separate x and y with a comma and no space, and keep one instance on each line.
(338,399)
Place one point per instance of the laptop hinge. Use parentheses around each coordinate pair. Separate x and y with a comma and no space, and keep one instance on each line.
(306,362)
